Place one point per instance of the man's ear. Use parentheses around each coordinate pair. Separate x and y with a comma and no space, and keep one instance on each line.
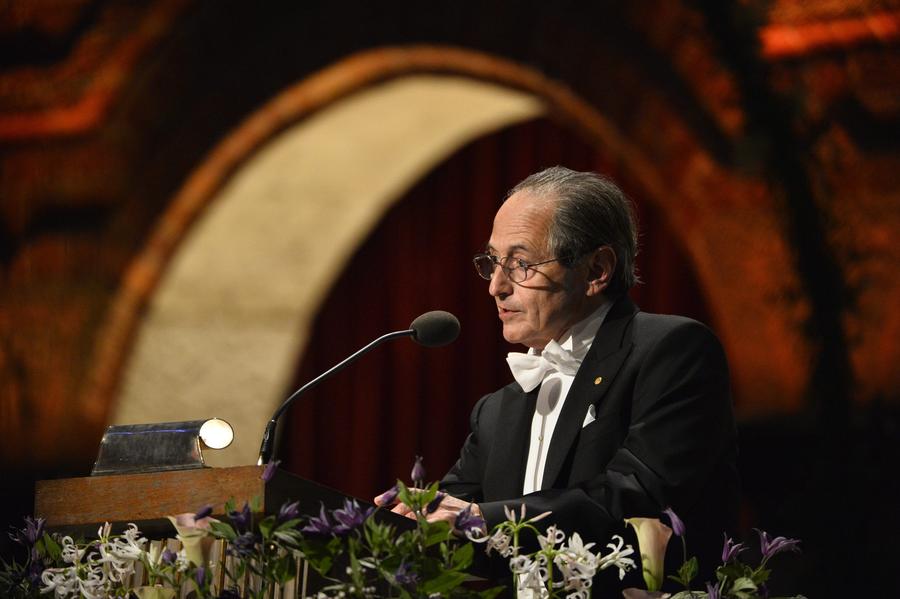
(601,265)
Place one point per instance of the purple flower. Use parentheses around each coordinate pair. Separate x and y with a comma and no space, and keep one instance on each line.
(418,471)
(466,520)
(231,593)
(289,511)
(206,512)
(319,525)
(31,534)
(35,569)
(769,547)
(404,577)
(389,496)
(269,472)
(677,524)
(200,576)
(168,557)
(244,545)
(731,550)
(712,591)
(240,519)
(435,503)
(350,516)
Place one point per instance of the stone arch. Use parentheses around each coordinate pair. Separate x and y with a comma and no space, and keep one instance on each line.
(339,81)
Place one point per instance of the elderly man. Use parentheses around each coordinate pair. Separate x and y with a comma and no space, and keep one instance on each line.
(614,412)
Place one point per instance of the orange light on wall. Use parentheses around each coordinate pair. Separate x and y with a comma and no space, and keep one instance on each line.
(785,41)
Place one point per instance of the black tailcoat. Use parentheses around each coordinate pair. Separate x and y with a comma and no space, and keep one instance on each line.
(664,436)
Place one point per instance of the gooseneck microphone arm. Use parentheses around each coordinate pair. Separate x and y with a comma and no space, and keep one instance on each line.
(432,329)
(267,448)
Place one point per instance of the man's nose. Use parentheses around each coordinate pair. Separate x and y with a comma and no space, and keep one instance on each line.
(500,284)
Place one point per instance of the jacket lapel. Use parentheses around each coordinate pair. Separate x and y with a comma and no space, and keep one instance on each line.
(602,363)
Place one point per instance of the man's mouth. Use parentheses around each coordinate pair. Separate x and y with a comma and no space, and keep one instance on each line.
(505,313)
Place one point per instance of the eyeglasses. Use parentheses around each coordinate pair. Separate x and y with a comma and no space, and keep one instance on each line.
(516,269)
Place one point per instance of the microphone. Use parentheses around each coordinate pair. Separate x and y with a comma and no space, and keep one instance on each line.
(432,329)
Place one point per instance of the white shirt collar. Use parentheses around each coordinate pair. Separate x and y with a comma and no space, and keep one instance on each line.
(577,340)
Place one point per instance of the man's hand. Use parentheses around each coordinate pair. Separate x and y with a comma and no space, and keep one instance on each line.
(389,498)
(448,509)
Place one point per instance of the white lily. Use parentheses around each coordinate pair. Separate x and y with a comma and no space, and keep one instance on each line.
(578,549)
(154,592)
(618,557)
(61,581)
(191,533)
(511,515)
(653,536)
(131,544)
(553,537)
(531,576)
(70,552)
(576,574)
(501,543)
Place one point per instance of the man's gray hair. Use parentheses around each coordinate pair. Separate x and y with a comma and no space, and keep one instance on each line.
(591,211)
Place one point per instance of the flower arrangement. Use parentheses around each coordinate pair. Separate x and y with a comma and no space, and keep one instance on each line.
(358,555)
(560,565)
(95,569)
(734,579)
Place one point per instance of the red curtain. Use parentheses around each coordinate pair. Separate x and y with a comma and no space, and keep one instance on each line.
(361,430)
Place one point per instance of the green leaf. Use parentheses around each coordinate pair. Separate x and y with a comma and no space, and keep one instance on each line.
(490,593)
(444,582)
(733,571)
(284,568)
(435,532)
(52,548)
(221,530)
(256,504)
(230,505)
(462,556)
(381,538)
(688,571)
(760,576)
(743,588)
(403,494)
(266,526)
(322,566)
(291,538)
(289,524)
(429,493)
(319,554)
(356,570)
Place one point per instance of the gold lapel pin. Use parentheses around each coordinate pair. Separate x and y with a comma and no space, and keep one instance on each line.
(598,380)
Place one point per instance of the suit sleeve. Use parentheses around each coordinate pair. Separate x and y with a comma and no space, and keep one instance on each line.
(680,430)
(464,478)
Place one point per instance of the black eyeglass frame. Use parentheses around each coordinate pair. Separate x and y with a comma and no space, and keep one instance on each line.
(496,261)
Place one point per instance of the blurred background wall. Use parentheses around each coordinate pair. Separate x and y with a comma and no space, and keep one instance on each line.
(204,204)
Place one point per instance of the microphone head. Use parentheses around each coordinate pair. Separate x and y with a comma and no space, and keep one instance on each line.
(434,329)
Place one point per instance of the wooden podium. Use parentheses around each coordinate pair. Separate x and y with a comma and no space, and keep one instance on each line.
(78,506)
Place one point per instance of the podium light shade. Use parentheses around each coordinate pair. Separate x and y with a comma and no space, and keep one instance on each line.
(159,447)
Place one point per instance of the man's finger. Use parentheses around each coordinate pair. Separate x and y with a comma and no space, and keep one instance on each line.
(401,509)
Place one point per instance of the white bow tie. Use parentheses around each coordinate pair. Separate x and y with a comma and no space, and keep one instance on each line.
(529,370)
